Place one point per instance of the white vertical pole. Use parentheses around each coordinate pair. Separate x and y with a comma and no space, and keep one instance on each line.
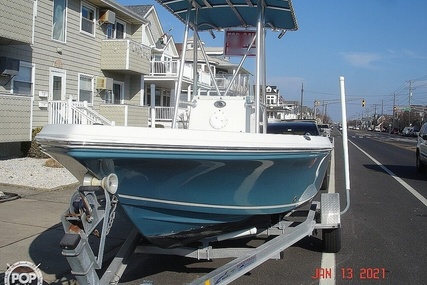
(345,144)
(153,105)
(259,54)
(181,67)
(142,91)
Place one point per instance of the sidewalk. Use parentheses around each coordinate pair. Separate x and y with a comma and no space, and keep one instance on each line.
(31,230)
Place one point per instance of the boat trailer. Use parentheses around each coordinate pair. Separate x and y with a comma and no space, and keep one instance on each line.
(93,206)
(92,211)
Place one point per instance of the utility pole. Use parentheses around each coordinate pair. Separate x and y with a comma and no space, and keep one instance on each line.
(410,96)
(394,109)
(382,107)
(302,96)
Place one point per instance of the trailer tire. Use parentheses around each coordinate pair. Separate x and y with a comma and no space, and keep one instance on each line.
(331,239)
(325,182)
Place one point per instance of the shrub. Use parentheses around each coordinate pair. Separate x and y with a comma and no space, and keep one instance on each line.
(35,150)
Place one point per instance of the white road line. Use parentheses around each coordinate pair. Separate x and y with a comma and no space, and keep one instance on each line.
(398,179)
(328,259)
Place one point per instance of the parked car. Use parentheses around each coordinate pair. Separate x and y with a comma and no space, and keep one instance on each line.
(407,131)
(421,151)
(298,127)
(294,127)
(415,131)
(394,131)
(324,130)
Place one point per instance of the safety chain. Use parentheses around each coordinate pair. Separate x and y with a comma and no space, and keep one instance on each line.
(114,201)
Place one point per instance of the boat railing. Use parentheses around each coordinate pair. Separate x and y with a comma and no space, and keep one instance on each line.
(71,112)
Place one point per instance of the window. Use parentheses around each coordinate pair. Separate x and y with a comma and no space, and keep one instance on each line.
(85,88)
(116,31)
(58,20)
(110,31)
(271,99)
(88,19)
(120,30)
(23,82)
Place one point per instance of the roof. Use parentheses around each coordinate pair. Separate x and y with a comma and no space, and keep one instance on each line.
(224,14)
(140,9)
(121,11)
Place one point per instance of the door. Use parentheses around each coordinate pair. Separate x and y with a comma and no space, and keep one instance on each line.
(118,97)
(57,84)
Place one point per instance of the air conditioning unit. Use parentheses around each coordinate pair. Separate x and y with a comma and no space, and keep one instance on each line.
(104,83)
(108,17)
(9,66)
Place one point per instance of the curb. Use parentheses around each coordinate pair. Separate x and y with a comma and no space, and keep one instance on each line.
(8,197)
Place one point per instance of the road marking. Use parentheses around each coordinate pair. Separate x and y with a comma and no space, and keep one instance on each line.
(398,179)
(328,259)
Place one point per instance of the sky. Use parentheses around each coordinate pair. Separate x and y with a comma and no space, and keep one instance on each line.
(378,46)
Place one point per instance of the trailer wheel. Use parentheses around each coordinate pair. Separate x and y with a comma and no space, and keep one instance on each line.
(331,240)
(325,182)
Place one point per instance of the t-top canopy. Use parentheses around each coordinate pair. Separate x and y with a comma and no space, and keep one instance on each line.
(225,14)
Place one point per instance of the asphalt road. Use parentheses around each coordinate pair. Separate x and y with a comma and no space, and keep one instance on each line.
(383,233)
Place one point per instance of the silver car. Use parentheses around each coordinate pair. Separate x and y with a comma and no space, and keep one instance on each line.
(421,152)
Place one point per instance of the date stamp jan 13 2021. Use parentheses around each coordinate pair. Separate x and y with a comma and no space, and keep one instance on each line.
(368,273)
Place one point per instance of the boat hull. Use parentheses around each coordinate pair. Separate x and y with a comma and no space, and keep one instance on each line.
(175,195)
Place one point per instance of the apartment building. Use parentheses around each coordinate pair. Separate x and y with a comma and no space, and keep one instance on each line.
(86,57)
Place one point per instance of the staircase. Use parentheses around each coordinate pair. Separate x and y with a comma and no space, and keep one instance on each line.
(69,112)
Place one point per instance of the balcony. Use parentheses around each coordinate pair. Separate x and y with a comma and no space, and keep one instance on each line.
(170,68)
(125,56)
(240,85)
(16,22)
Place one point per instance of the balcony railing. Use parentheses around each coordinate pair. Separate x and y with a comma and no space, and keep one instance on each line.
(171,68)
(240,85)
(164,113)
(164,68)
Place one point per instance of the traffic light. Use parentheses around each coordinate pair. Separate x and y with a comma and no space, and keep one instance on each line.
(363,103)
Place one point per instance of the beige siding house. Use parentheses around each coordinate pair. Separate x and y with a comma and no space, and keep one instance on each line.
(72,58)
(89,62)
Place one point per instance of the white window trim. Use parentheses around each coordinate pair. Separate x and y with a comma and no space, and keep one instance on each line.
(65,25)
(26,64)
(92,84)
(95,16)
(124,28)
